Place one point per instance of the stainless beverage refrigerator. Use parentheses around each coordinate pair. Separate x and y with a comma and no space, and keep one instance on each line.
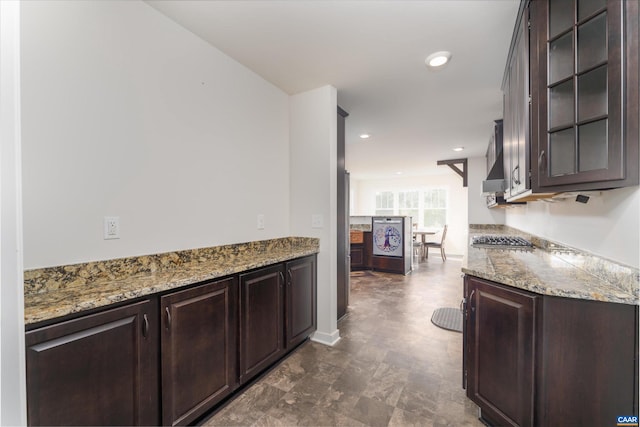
(392,244)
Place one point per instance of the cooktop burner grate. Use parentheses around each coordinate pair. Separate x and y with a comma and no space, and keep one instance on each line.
(509,241)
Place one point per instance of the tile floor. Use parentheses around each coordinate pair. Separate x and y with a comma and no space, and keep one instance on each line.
(392,366)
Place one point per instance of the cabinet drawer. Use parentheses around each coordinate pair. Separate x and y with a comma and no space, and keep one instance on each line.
(100,369)
(356,236)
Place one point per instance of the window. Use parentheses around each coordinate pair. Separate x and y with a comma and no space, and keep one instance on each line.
(384,203)
(435,208)
(409,204)
(426,206)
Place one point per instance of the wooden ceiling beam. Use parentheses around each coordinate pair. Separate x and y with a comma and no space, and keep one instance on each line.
(453,165)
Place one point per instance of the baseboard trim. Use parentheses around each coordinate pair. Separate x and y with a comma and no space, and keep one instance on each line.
(326,339)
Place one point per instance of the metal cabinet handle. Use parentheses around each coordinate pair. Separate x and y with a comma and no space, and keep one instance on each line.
(513,178)
(166,310)
(145,325)
(462,301)
(541,164)
(471,300)
(289,275)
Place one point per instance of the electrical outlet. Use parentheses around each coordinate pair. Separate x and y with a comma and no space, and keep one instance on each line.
(111,227)
(260,221)
(317,221)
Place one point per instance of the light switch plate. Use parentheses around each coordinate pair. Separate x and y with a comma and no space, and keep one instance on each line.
(260,221)
(317,221)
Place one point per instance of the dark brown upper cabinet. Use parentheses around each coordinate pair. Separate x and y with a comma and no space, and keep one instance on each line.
(516,91)
(584,94)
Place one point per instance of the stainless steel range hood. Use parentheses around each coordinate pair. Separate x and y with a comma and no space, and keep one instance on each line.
(495,182)
(492,186)
(495,185)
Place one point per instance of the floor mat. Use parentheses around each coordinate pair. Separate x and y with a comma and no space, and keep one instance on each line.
(448,318)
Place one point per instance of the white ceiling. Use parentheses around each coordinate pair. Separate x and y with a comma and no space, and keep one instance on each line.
(373,52)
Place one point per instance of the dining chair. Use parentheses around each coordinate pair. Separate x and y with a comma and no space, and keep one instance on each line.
(440,245)
(418,249)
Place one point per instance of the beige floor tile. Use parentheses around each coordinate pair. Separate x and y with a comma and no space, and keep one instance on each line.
(392,366)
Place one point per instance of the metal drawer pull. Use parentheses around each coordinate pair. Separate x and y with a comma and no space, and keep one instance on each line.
(166,309)
(145,325)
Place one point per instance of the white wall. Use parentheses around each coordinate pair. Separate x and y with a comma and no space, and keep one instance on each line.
(12,380)
(127,114)
(478,211)
(608,225)
(365,198)
(313,190)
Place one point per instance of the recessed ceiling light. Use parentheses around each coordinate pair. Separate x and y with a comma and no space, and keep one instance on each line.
(438,59)
(458,149)
(365,136)
(399,173)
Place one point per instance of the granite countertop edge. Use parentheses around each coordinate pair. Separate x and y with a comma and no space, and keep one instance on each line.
(551,290)
(575,274)
(75,298)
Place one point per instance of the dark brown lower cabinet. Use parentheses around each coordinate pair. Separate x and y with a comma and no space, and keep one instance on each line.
(198,348)
(100,369)
(357,256)
(300,313)
(500,343)
(367,247)
(170,358)
(542,360)
(261,319)
(587,362)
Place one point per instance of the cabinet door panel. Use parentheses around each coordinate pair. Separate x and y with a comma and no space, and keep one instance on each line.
(516,112)
(561,17)
(592,95)
(261,320)
(592,43)
(301,300)
(587,362)
(589,7)
(198,349)
(561,58)
(99,369)
(500,337)
(601,87)
(562,152)
(357,256)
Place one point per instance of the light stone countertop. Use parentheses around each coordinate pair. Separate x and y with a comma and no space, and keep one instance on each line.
(59,291)
(551,269)
(360,227)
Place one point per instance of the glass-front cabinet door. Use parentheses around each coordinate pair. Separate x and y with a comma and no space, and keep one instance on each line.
(580,95)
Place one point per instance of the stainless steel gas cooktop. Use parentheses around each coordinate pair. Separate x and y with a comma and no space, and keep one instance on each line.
(514,242)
